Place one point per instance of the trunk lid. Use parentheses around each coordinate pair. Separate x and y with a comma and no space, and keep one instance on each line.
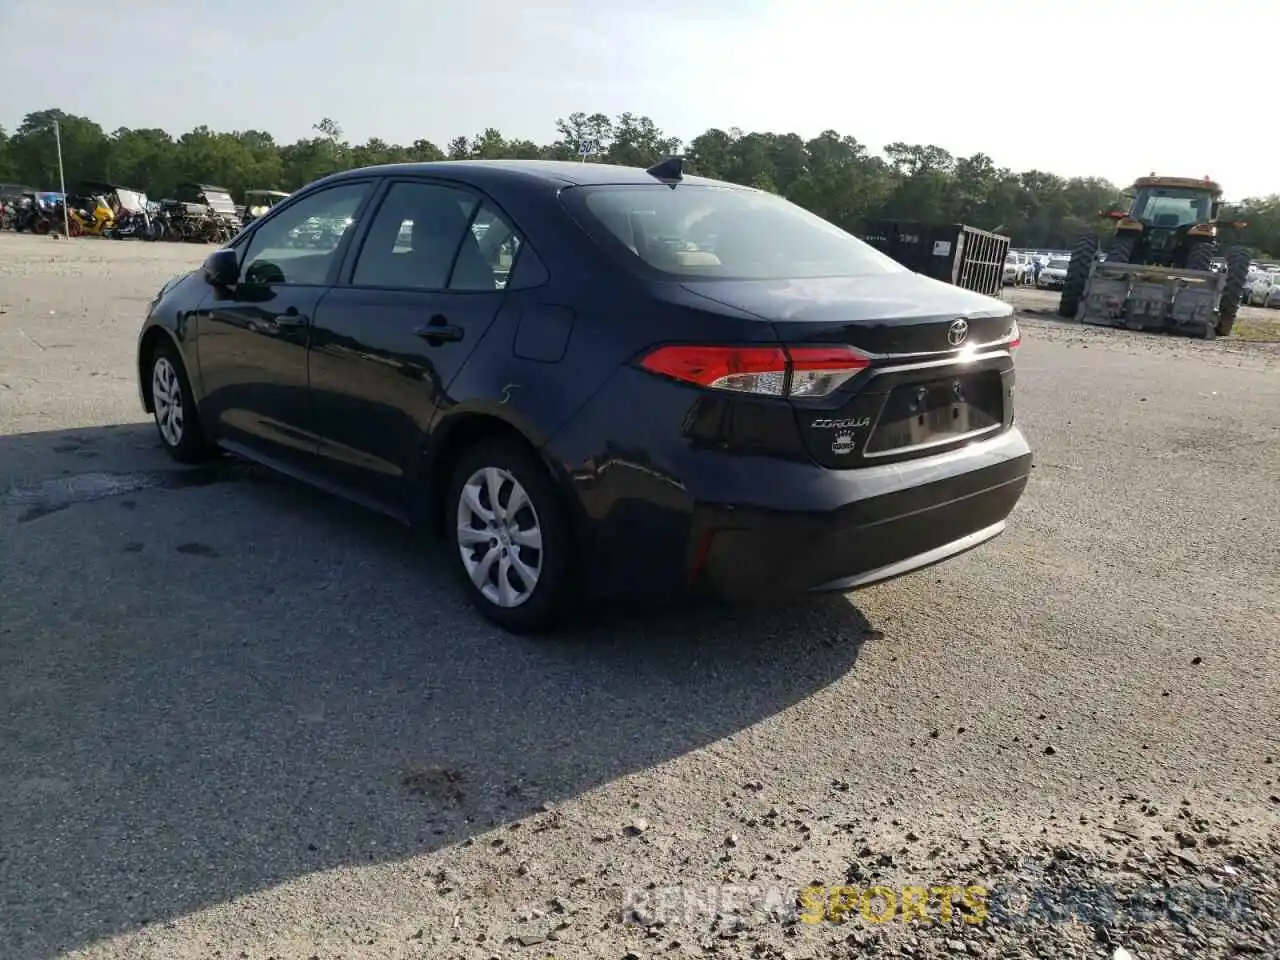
(923,391)
(895,313)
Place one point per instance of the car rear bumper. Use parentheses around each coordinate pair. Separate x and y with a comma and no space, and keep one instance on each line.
(676,499)
(894,519)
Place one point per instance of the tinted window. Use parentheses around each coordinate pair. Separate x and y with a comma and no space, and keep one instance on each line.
(419,232)
(727,232)
(498,245)
(298,244)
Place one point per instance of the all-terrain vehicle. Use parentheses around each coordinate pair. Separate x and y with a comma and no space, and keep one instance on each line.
(216,199)
(258,202)
(1158,268)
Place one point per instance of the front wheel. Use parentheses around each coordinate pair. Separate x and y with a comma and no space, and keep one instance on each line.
(1200,256)
(510,536)
(174,408)
(1120,250)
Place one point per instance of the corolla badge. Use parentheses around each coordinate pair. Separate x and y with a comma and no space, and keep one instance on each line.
(849,423)
(957,332)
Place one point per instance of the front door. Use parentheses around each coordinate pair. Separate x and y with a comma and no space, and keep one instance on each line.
(253,337)
(385,346)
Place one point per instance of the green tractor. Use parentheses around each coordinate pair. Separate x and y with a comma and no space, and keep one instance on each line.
(1158,268)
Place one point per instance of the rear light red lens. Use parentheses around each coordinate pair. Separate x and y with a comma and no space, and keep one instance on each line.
(760,370)
(1015,337)
(804,371)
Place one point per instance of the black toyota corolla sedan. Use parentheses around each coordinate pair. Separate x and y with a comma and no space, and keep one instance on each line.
(598,381)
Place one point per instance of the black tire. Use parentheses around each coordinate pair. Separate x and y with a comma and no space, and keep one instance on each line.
(1082,257)
(1120,250)
(1200,256)
(1233,289)
(188,443)
(547,601)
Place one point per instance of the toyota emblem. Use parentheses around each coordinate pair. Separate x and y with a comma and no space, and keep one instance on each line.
(958,330)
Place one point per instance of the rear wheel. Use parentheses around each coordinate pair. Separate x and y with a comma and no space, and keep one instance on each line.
(1082,257)
(1233,289)
(510,536)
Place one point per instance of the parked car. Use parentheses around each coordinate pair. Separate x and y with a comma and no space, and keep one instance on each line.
(594,385)
(1262,289)
(1256,285)
(1054,273)
(1016,268)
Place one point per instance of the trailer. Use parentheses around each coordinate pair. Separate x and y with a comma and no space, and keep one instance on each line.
(954,253)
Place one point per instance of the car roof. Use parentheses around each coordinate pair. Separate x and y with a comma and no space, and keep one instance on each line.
(550,172)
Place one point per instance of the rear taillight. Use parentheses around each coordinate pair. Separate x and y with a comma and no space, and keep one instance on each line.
(819,371)
(1015,336)
(803,371)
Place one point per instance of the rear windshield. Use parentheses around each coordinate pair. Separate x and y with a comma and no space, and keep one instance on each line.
(721,232)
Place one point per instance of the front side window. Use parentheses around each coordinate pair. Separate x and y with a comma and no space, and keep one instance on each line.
(298,245)
(720,232)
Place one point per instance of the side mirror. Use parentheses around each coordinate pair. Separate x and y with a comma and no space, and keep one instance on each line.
(222,268)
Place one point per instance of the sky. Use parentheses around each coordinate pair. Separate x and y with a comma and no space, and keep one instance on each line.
(1084,88)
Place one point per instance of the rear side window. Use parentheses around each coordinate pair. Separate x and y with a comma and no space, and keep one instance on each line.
(720,232)
(429,236)
(498,244)
(415,237)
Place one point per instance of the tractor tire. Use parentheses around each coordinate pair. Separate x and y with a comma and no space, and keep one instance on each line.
(1237,273)
(1200,256)
(1120,250)
(1082,257)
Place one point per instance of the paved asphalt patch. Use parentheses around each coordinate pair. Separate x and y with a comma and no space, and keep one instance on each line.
(241,718)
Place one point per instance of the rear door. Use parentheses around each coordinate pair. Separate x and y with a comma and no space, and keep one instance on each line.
(415,300)
(253,338)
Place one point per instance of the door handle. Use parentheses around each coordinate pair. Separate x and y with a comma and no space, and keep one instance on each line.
(439,331)
(290,319)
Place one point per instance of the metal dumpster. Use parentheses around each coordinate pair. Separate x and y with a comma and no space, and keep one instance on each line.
(953,252)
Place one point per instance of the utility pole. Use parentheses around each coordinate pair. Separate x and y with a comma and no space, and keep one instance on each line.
(62,182)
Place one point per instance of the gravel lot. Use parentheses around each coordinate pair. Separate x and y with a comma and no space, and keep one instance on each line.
(241,719)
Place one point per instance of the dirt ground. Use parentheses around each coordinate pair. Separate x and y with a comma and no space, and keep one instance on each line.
(240,719)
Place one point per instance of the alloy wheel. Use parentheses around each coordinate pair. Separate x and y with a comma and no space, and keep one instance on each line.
(166,397)
(499,537)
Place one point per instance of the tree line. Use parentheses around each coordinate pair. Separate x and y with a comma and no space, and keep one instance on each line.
(832,174)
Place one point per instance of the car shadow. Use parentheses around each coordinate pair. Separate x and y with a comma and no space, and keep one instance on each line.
(170,741)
